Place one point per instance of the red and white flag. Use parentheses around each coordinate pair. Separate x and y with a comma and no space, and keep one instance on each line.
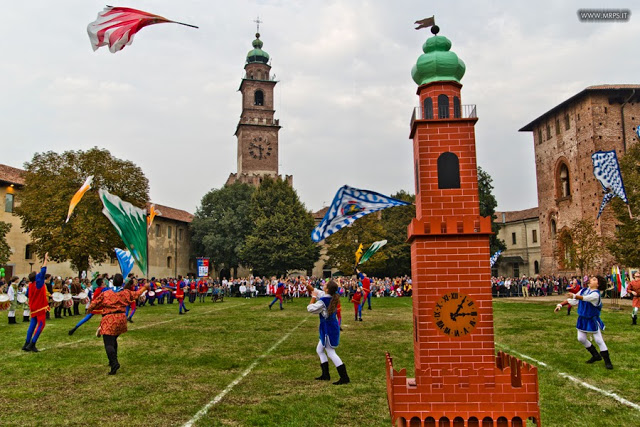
(116,26)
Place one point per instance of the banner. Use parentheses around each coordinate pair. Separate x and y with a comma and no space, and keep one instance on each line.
(203,267)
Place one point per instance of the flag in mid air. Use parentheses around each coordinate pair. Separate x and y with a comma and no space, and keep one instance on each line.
(607,171)
(375,247)
(494,258)
(116,26)
(126,262)
(78,196)
(130,223)
(350,204)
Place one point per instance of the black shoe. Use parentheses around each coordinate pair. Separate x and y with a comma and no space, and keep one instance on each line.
(186,311)
(607,361)
(269,307)
(26,346)
(634,320)
(360,319)
(114,368)
(129,320)
(369,308)
(344,378)
(181,313)
(32,347)
(281,308)
(71,331)
(595,357)
(325,372)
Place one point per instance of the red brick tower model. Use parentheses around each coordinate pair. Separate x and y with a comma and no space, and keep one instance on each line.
(459,380)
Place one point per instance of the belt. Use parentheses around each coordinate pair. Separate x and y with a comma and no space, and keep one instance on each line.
(115,312)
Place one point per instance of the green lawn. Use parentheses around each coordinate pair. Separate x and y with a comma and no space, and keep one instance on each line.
(172,366)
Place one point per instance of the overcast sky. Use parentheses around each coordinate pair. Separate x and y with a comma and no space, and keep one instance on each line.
(169,102)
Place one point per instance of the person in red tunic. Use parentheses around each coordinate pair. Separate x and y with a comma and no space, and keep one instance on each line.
(356,299)
(114,320)
(634,289)
(38,305)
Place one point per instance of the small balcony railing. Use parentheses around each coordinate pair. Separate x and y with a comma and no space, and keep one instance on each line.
(467,111)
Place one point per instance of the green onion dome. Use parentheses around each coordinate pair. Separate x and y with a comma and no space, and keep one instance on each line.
(257,54)
(437,63)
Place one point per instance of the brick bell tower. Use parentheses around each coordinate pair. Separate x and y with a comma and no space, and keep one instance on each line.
(257,129)
(459,380)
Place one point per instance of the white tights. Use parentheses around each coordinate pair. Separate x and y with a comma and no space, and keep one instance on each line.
(597,337)
(321,350)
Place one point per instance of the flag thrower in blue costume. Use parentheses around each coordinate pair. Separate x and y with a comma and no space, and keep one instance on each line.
(348,205)
(607,171)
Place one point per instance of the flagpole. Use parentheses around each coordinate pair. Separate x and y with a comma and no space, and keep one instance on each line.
(187,25)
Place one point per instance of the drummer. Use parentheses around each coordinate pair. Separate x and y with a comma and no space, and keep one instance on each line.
(100,283)
(57,289)
(13,294)
(21,299)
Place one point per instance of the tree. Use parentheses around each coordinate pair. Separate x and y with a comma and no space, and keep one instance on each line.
(5,250)
(580,246)
(624,245)
(342,246)
(52,179)
(395,222)
(280,240)
(222,223)
(488,206)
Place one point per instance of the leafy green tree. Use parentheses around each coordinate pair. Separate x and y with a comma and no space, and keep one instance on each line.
(624,245)
(580,247)
(395,222)
(488,206)
(52,179)
(342,246)
(5,250)
(222,223)
(280,240)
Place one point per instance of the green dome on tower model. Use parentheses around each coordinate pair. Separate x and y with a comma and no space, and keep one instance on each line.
(437,63)
(257,54)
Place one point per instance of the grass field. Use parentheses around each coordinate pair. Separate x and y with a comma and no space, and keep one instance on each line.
(172,366)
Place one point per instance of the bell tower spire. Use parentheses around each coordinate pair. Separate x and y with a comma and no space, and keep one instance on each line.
(257,129)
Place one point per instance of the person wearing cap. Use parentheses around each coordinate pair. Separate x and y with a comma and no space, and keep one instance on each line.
(38,306)
(366,287)
(114,320)
(634,289)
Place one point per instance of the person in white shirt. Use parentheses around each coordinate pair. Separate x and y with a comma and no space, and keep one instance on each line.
(325,304)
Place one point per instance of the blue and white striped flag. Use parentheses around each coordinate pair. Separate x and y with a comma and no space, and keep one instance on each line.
(607,170)
(126,262)
(348,205)
(494,258)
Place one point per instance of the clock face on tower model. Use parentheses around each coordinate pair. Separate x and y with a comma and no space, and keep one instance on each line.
(260,148)
(455,314)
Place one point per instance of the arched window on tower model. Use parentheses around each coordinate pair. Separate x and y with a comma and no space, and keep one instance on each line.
(258,98)
(448,171)
(456,108)
(428,108)
(554,228)
(563,181)
(443,107)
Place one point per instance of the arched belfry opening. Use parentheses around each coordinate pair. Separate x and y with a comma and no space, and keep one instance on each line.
(448,171)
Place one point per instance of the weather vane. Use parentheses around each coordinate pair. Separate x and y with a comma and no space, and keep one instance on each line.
(428,22)
(258,22)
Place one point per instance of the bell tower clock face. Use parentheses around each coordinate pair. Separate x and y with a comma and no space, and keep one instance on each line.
(260,148)
(455,314)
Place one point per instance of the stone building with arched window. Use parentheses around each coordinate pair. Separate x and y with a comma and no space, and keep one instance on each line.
(599,118)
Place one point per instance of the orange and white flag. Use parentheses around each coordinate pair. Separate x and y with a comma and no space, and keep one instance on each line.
(151,215)
(78,196)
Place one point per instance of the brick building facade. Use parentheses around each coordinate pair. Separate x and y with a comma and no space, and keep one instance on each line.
(599,118)
(169,240)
